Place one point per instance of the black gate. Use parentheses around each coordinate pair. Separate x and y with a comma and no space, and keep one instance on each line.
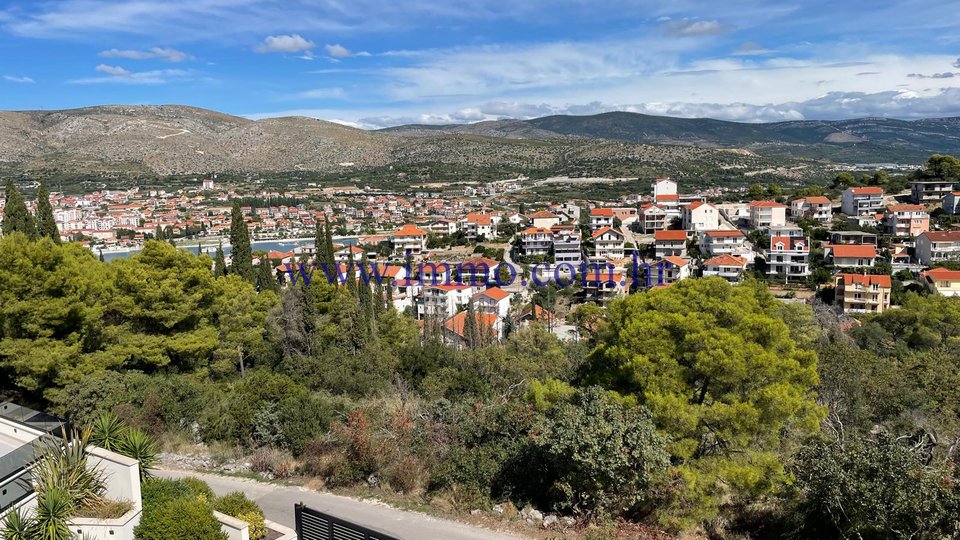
(316,525)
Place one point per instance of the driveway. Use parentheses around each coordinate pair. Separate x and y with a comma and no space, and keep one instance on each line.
(278,502)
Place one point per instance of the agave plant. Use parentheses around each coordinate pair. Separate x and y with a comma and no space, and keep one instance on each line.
(54,508)
(141,446)
(107,431)
(17,525)
(62,467)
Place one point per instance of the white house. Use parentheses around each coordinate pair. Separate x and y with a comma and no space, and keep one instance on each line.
(536,241)
(652,218)
(674,269)
(728,267)
(409,238)
(543,219)
(851,255)
(608,244)
(857,201)
(670,243)
(819,209)
(700,216)
(767,214)
(723,242)
(600,218)
(936,246)
(664,186)
(443,301)
(493,300)
(951,203)
(788,258)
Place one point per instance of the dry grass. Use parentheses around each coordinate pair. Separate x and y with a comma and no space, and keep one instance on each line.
(107,509)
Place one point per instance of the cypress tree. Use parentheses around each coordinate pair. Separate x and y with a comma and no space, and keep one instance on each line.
(242,256)
(219,262)
(319,242)
(46,224)
(265,279)
(101,256)
(470,327)
(16,218)
(328,241)
(158,234)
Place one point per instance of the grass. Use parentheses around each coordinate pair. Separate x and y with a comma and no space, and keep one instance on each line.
(106,510)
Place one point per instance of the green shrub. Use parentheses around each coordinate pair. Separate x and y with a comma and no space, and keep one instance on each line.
(183,519)
(239,506)
(158,491)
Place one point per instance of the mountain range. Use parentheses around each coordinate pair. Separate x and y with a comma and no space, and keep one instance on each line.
(174,139)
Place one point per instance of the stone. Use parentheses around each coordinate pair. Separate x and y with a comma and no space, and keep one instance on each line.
(550,521)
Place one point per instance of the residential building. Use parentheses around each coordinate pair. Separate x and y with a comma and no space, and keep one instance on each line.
(477,270)
(600,218)
(626,214)
(567,210)
(608,245)
(443,226)
(603,285)
(409,239)
(819,209)
(567,248)
(700,216)
(942,281)
(664,186)
(478,225)
(543,219)
(929,192)
(493,300)
(951,203)
(790,231)
(936,246)
(906,220)
(670,243)
(670,205)
(488,328)
(728,267)
(767,214)
(852,237)
(859,293)
(348,254)
(652,218)
(536,241)
(443,301)
(851,255)
(672,269)
(723,242)
(788,258)
(857,201)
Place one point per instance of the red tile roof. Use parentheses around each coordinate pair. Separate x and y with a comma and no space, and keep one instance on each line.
(604,230)
(456,323)
(867,190)
(790,243)
(669,235)
(870,279)
(496,293)
(668,197)
(676,261)
(767,204)
(410,230)
(905,208)
(819,200)
(942,236)
(543,214)
(856,251)
(726,260)
(724,234)
(943,274)
(537,230)
(602,212)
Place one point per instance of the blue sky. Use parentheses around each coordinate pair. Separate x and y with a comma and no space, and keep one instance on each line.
(374,63)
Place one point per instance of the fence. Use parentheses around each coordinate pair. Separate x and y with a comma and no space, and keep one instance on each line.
(315,525)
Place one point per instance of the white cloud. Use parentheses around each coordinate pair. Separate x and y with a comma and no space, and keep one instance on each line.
(319,93)
(751,49)
(112,70)
(693,28)
(338,51)
(292,43)
(20,80)
(163,53)
(957,63)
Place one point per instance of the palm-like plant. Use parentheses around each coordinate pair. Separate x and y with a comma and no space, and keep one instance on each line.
(107,431)
(17,525)
(54,507)
(141,446)
(62,466)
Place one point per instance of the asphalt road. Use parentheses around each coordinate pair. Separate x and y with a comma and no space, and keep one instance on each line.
(277,503)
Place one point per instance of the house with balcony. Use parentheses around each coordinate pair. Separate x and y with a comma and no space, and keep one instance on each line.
(671,270)
(601,218)
(603,284)
(493,300)
(670,205)
(700,216)
(651,218)
(477,270)
(858,201)
(819,209)
(567,248)
(942,281)
(607,245)
(670,243)
(536,242)
(907,220)
(936,246)
(442,226)
(488,329)
(788,258)
(723,242)
(767,214)
(478,225)
(443,301)
(859,293)
(850,255)
(543,219)
(728,267)
(929,191)
(852,237)
(409,239)
(348,254)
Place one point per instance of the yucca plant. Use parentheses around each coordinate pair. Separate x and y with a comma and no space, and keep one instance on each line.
(54,507)
(62,466)
(141,446)
(17,525)
(107,431)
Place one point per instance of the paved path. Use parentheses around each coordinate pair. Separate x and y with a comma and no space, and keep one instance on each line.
(278,501)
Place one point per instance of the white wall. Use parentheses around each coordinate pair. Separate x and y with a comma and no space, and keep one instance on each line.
(122,474)
(236,529)
(106,529)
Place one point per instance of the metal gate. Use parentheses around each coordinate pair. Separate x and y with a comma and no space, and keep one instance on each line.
(315,525)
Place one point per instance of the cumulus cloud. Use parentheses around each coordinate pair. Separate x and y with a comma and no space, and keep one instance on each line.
(292,43)
(693,28)
(112,70)
(20,80)
(160,53)
(119,75)
(957,63)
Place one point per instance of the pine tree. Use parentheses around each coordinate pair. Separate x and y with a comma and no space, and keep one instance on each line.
(219,262)
(158,234)
(265,278)
(241,254)
(46,224)
(16,217)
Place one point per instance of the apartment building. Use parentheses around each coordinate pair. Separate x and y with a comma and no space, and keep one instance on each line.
(852,237)
(603,285)
(819,209)
(443,226)
(494,300)
(936,246)
(906,220)
(700,216)
(851,255)
(543,219)
(728,267)
(942,281)
(608,245)
(567,248)
(664,186)
(443,301)
(788,258)
(767,214)
(858,293)
(536,241)
(478,225)
(929,192)
(732,242)
(857,201)
(670,243)
(601,218)
(409,239)
(951,203)
(477,270)
(652,218)
(672,269)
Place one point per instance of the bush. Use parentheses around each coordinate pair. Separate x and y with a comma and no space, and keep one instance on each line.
(239,506)
(183,519)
